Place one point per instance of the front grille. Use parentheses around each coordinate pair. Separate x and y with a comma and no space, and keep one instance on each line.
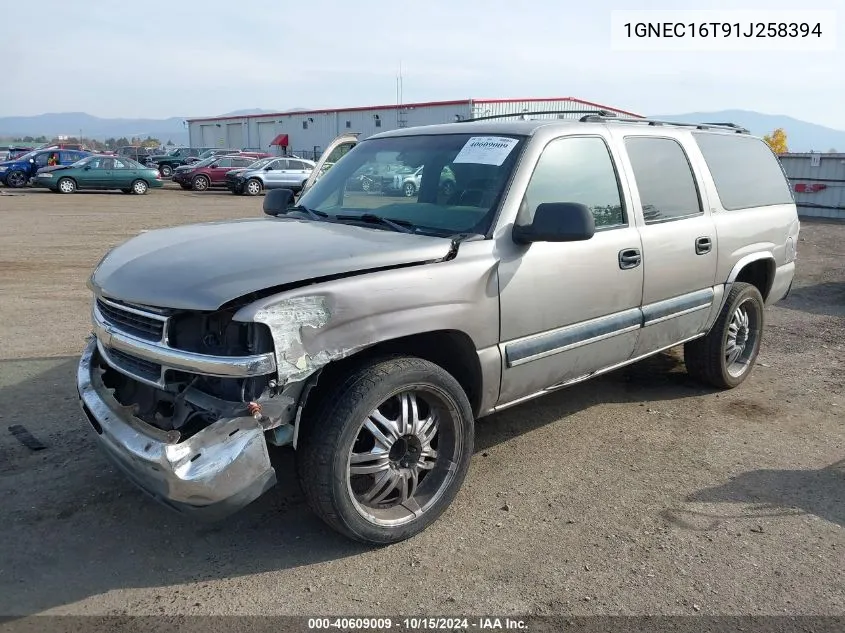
(143,327)
(134,365)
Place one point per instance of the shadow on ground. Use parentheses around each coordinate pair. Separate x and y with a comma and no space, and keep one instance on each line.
(771,493)
(74,527)
(827,298)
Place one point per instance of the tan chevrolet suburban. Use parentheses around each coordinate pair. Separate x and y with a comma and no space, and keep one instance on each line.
(370,332)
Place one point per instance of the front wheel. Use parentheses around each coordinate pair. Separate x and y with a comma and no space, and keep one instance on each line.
(200,183)
(253,187)
(139,187)
(16,179)
(724,358)
(66,185)
(166,171)
(386,451)
(410,190)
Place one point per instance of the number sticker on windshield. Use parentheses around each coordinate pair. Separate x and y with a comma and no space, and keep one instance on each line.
(486,150)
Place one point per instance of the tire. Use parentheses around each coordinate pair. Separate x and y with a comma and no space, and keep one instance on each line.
(366,184)
(66,185)
(409,189)
(16,179)
(406,462)
(166,171)
(140,187)
(448,188)
(253,187)
(741,321)
(200,183)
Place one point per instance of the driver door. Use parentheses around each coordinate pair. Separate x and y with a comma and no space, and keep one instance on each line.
(569,309)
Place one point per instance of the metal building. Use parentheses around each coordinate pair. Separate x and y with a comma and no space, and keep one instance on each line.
(818,183)
(306,133)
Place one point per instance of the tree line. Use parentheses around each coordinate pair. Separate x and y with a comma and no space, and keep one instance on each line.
(109,144)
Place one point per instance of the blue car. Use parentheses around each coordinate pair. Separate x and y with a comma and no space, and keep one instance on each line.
(18,171)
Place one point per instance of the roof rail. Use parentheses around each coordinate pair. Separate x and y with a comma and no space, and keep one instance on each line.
(602,113)
(595,118)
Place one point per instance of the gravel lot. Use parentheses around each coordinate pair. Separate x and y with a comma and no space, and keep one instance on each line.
(638,493)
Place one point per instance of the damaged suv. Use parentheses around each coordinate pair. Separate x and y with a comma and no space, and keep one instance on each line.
(369,333)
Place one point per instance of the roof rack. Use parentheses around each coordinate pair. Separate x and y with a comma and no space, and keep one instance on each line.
(595,118)
(601,113)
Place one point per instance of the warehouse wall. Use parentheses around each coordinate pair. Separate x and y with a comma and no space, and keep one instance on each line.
(824,170)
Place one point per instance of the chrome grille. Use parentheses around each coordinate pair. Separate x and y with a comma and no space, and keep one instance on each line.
(134,365)
(132,321)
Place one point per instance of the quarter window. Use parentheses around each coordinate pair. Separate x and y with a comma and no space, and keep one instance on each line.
(664,178)
(745,171)
(577,169)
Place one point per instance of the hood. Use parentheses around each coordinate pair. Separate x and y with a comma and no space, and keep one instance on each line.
(203,266)
(43,170)
(12,163)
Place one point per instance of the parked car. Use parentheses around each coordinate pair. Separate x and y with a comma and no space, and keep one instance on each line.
(99,172)
(370,337)
(18,171)
(232,181)
(209,153)
(135,152)
(288,173)
(411,184)
(167,163)
(210,172)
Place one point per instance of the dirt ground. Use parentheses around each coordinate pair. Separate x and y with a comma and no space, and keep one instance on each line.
(637,493)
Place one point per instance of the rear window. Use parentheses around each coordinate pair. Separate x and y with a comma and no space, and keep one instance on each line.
(745,171)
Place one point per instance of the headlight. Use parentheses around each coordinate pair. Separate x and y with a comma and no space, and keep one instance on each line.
(3,168)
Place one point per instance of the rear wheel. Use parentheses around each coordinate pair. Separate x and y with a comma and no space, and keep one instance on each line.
(724,358)
(66,185)
(139,187)
(385,452)
(253,187)
(166,171)
(199,183)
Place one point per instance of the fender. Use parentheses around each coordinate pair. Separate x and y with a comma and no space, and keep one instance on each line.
(729,282)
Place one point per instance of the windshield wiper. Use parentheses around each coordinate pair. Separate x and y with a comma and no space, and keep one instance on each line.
(313,214)
(400,226)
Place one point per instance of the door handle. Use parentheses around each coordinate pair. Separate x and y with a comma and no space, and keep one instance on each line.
(629,258)
(703,245)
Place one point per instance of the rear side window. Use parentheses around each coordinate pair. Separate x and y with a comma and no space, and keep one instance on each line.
(745,171)
(664,178)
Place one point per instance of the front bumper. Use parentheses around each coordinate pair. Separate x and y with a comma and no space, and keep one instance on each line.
(211,474)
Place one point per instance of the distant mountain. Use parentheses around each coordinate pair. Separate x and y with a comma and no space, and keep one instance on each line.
(74,123)
(801,136)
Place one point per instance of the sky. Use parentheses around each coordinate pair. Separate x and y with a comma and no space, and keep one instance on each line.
(157,59)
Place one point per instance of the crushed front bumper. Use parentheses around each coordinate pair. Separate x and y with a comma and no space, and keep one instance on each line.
(211,474)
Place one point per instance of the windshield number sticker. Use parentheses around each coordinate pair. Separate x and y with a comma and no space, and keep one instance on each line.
(486,150)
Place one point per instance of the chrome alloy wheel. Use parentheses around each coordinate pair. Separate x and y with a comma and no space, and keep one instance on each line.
(404,456)
(742,339)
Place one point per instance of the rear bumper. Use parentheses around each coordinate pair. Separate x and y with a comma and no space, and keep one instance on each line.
(782,283)
(211,474)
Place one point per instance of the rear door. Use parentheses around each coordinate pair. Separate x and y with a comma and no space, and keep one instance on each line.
(217,170)
(122,175)
(297,173)
(678,237)
(336,149)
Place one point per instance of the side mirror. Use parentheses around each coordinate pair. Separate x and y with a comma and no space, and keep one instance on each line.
(557,222)
(277,201)
(87,167)
(268,168)
(213,166)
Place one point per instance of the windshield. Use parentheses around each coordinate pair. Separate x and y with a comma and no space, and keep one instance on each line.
(27,156)
(261,162)
(458,191)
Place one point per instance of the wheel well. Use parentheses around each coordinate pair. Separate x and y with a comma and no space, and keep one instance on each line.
(759,273)
(452,350)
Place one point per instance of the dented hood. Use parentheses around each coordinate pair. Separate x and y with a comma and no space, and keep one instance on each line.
(203,266)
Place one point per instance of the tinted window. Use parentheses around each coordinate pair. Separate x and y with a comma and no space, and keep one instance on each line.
(280,164)
(745,171)
(576,170)
(223,162)
(295,164)
(664,178)
(242,162)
